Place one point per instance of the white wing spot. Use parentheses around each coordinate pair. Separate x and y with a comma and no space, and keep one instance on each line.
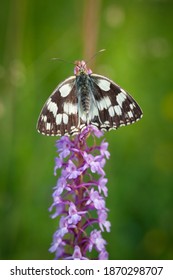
(120,98)
(94,112)
(82,126)
(48,126)
(107,101)
(74,129)
(118,110)
(101,105)
(52,107)
(130,114)
(111,111)
(103,128)
(58,119)
(104,103)
(132,105)
(122,124)
(65,90)
(65,118)
(45,118)
(70,108)
(104,84)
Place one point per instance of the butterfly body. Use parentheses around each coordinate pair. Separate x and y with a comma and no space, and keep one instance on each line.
(87,98)
(83,86)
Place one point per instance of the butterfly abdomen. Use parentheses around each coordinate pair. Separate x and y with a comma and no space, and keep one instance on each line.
(83,86)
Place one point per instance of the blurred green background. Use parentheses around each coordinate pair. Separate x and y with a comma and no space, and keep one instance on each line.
(138,38)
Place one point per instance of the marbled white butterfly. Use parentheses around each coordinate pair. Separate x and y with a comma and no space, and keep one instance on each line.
(84,99)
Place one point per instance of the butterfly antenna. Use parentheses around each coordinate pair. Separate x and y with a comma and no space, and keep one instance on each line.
(102,50)
(60,59)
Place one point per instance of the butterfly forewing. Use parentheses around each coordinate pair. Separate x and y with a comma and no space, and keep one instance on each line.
(59,114)
(116,106)
(87,99)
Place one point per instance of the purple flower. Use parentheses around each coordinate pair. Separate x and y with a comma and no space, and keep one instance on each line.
(89,129)
(60,252)
(58,164)
(102,219)
(76,254)
(103,255)
(97,200)
(61,185)
(71,170)
(58,204)
(79,196)
(63,226)
(57,241)
(103,149)
(94,163)
(102,185)
(74,216)
(64,145)
(97,241)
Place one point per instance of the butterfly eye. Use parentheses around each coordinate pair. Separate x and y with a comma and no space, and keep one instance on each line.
(77,70)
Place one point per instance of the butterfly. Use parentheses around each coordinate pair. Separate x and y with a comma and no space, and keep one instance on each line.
(87,99)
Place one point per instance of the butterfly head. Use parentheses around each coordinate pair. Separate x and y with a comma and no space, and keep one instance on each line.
(81,68)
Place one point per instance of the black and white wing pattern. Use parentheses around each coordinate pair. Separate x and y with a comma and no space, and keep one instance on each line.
(59,114)
(115,106)
(85,99)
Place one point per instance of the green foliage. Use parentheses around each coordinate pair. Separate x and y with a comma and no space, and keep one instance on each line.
(138,39)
